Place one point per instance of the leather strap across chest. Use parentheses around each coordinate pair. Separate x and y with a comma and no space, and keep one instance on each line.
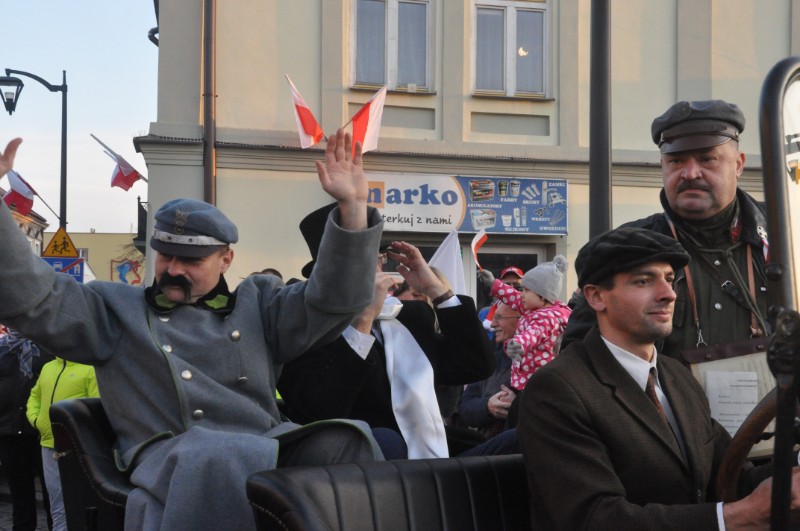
(756,325)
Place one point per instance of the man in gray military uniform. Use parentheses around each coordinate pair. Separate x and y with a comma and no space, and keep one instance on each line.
(722,293)
(187,368)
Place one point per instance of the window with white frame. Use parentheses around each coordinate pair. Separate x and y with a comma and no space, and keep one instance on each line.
(510,47)
(393,44)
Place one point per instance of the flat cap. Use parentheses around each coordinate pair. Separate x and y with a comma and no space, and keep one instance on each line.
(623,249)
(689,125)
(191,228)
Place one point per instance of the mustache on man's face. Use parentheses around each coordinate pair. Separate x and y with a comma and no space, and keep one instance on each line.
(693,185)
(179,282)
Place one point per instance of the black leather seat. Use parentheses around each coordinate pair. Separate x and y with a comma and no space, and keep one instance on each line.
(475,493)
(95,491)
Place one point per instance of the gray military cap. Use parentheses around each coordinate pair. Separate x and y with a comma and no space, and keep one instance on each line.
(691,125)
(191,228)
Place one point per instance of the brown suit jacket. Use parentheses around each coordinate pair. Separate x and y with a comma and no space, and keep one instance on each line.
(599,456)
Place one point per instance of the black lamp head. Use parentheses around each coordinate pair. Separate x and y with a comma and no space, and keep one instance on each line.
(10,88)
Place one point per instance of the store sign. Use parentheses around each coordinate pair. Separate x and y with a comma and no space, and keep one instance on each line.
(431,203)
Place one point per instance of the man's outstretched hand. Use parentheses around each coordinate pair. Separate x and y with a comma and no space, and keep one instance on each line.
(415,270)
(344,180)
(383,281)
(8,155)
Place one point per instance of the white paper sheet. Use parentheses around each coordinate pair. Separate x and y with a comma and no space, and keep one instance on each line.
(740,401)
(731,396)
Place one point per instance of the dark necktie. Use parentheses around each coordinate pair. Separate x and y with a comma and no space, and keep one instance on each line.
(650,390)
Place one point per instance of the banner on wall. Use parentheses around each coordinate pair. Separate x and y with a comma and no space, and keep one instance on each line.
(426,203)
(126,271)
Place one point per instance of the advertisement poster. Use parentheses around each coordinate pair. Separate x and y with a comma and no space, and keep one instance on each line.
(506,205)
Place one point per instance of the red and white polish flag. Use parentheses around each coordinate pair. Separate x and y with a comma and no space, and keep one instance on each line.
(367,122)
(307,126)
(124,174)
(477,242)
(20,196)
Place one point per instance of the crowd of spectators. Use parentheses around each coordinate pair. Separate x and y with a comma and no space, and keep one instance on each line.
(372,364)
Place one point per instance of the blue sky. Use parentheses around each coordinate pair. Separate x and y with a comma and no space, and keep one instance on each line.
(112,72)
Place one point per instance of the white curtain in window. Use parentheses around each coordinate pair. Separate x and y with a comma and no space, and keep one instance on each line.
(371,41)
(489,56)
(411,43)
(530,52)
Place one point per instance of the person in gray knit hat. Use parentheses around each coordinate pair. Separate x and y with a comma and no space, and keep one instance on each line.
(544,317)
(545,280)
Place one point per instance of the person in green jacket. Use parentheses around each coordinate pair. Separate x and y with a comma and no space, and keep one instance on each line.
(59,380)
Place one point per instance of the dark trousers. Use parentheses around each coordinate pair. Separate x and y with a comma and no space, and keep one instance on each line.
(325,443)
(503,443)
(21,457)
(392,443)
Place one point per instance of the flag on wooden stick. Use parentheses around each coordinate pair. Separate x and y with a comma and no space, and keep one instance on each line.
(477,242)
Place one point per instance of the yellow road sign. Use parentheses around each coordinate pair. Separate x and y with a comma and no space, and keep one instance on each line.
(60,246)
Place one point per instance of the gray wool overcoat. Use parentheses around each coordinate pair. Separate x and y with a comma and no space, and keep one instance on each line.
(160,375)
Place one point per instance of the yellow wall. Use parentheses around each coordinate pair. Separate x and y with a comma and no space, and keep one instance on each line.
(107,252)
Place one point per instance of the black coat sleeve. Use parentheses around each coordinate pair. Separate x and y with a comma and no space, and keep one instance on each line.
(461,352)
(332,381)
(472,410)
(580,322)
(325,382)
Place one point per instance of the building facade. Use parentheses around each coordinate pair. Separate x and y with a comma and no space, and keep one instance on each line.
(109,256)
(481,93)
(32,225)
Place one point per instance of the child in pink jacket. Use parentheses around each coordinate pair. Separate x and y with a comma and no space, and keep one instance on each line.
(543,320)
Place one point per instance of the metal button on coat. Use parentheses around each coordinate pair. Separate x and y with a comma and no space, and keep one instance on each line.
(186,375)
(717,263)
(717,306)
(197,414)
(167,348)
(236,335)
(241,380)
(163,318)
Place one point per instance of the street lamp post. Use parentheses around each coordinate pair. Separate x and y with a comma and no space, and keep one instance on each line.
(10,101)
